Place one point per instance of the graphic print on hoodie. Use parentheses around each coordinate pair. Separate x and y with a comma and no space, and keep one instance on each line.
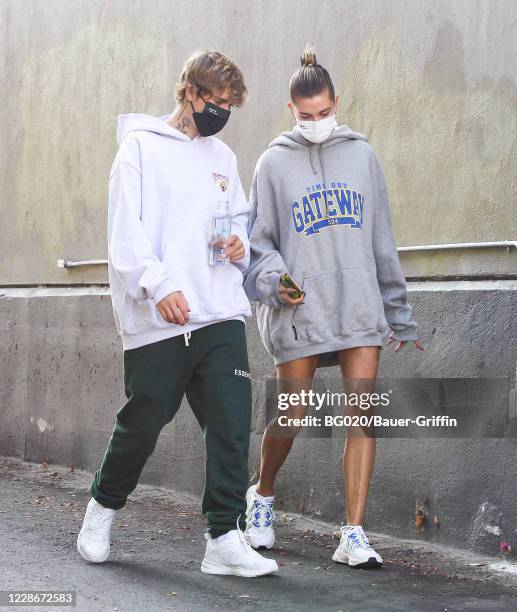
(321,213)
(163,191)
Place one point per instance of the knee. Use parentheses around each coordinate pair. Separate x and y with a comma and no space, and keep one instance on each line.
(289,421)
(145,414)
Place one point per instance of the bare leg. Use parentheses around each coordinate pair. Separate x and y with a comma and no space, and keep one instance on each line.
(359,453)
(292,377)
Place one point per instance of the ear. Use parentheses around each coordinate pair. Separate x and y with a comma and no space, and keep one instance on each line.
(337,104)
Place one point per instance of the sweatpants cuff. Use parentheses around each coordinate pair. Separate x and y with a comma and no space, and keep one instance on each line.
(106,500)
(218,530)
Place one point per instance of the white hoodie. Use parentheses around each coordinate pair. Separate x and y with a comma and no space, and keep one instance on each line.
(163,190)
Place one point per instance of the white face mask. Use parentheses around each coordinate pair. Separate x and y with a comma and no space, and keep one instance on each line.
(317,131)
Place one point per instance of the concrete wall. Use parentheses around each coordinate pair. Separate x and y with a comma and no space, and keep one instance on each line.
(431,83)
(61,386)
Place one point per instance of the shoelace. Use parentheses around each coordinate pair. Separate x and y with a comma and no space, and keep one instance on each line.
(242,538)
(97,519)
(262,511)
(357,535)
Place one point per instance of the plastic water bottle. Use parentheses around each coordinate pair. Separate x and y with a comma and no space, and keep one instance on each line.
(221,230)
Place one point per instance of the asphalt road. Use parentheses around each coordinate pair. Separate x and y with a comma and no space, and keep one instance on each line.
(158,545)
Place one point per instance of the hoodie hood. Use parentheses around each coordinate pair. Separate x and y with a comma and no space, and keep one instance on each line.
(294,140)
(131,122)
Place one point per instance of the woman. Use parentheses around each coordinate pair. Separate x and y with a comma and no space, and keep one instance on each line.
(320,212)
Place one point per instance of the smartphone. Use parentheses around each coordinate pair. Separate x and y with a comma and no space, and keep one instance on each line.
(288,281)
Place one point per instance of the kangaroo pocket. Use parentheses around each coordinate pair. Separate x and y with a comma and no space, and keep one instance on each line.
(279,328)
(339,303)
(211,291)
(227,293)
(140,315)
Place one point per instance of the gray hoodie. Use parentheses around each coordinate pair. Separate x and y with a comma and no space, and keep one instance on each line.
(321,212)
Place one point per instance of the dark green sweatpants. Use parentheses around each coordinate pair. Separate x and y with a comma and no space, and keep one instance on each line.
(213,372)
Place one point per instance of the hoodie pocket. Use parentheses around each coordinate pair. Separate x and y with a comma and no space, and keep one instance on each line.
(227,293)
(140,315)
(280,328)
(339,303)
(189,281)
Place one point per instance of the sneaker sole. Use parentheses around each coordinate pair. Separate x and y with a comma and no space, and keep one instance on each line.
(261,546)
(211,568)
(344,558)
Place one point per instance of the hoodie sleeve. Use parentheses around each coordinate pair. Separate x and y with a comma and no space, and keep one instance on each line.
(261,281)
(389,272)
(240,215)
(141,272)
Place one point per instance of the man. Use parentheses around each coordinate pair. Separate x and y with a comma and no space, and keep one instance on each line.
(181,319)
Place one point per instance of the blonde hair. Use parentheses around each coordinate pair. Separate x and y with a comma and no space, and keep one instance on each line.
(311,78)
(209,71)
(308,57)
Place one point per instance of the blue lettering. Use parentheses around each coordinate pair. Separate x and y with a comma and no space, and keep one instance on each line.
(308,212)
(331,211)
(315,197)
(356,210)
(343,199)
(297,217)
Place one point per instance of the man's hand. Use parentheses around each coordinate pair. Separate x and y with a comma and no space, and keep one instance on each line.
(234,249)
(174,308)
(285,296)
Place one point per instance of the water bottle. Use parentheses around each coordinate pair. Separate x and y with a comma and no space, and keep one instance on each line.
(221,230)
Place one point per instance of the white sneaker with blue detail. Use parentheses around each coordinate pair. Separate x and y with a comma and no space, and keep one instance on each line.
(355,549)
(259,519)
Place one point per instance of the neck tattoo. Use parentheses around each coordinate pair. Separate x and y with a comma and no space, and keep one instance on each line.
(183,124)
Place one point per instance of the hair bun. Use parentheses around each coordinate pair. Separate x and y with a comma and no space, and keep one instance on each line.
(308,83)
(308,58)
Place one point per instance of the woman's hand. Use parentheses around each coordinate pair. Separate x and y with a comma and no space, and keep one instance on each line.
(401,344)
(285,296)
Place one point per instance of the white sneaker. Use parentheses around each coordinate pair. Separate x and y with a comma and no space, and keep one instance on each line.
(355,549)
(259,519)
(232,554)
(93,541)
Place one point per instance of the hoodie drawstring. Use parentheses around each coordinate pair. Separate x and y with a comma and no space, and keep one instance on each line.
(324,178)
(187,338)
(318,149)
(311,147)
(315,171)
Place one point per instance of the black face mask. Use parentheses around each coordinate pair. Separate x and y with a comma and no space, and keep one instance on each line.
(211,119)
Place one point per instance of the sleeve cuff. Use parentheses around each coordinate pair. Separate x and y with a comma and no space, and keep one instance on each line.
(404,335)
(268,289)
(163,290)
